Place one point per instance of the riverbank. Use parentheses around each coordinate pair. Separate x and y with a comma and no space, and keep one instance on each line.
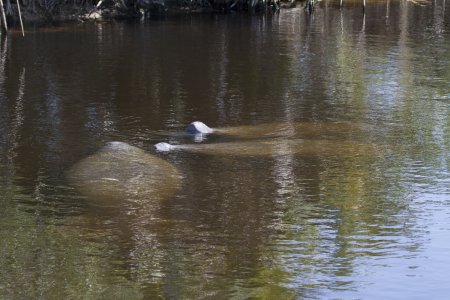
(59,11)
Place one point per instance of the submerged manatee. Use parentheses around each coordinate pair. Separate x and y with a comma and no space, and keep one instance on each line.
(279,147)
(292,130)
(120,172)
(281,139)
(282,129)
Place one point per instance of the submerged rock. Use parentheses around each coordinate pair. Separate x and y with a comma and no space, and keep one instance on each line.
(123,173)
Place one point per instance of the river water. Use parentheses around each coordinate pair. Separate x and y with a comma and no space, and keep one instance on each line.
(328,179)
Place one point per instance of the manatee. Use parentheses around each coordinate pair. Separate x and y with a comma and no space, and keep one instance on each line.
(282,129)
(277,147)
(119,172)
(292,130)
(336,139)
(198,127)
(198,130)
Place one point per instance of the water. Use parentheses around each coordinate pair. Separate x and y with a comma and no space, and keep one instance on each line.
(349,198)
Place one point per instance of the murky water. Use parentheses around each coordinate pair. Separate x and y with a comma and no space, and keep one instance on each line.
(328,178)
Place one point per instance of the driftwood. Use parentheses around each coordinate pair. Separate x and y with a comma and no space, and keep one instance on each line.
(20,17)
(5,25)
(3,16)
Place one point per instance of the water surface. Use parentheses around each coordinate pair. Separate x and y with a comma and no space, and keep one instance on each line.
(365,215)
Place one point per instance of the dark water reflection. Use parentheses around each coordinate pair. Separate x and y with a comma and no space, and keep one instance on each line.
(286,224)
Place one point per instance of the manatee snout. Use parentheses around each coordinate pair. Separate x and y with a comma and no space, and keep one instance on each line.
(164,147)
(198,127)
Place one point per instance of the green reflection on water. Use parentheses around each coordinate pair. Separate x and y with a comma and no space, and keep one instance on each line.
(41,258)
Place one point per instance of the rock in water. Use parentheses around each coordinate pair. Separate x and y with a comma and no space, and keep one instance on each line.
(120,173)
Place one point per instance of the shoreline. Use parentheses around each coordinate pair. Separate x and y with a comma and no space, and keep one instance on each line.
(105,12)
